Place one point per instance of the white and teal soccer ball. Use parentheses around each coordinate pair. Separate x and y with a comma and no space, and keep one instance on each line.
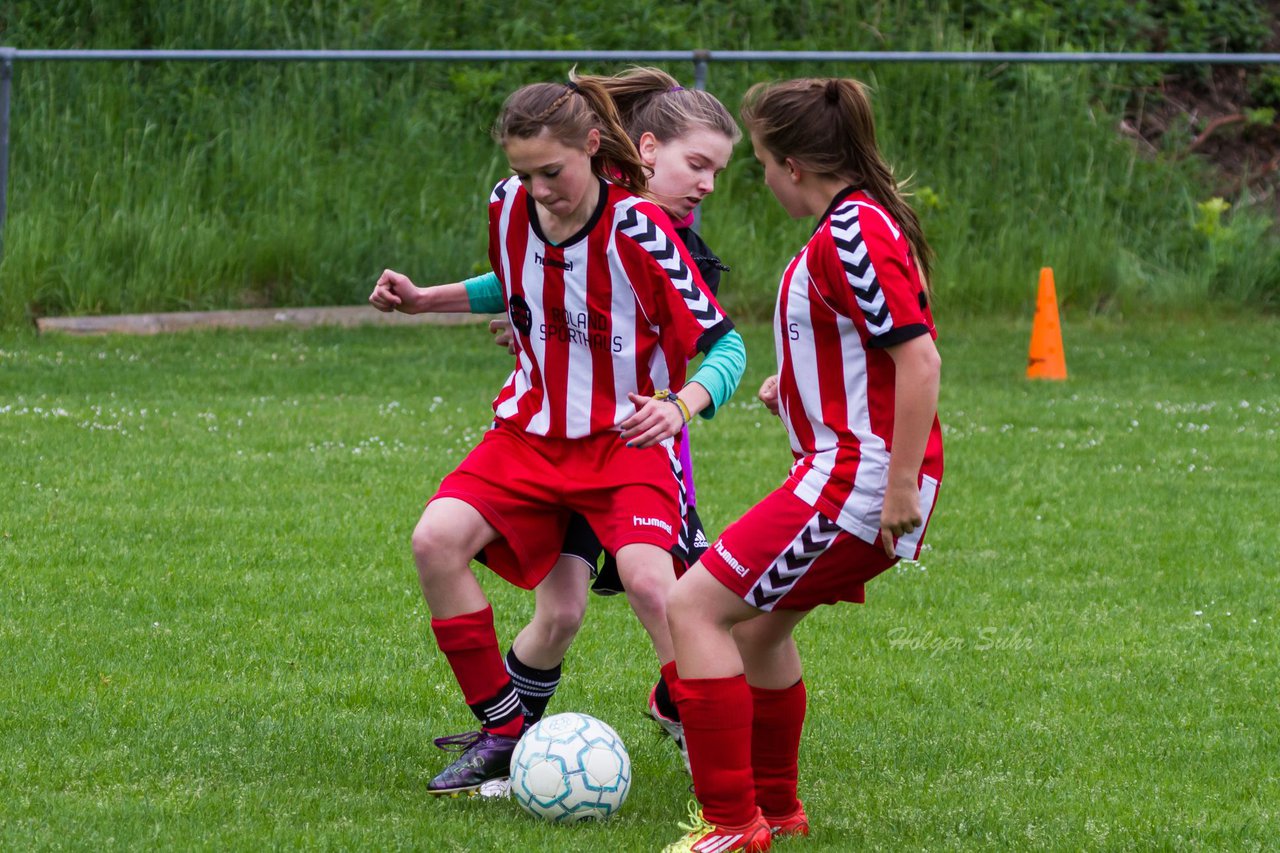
(570,767)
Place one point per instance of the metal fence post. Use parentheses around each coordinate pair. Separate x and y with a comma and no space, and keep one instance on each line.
(700,60)
(6,83)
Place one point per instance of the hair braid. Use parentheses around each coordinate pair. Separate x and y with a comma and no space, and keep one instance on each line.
(569,112)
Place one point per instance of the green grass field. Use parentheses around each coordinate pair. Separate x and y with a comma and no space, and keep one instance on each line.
(211,635)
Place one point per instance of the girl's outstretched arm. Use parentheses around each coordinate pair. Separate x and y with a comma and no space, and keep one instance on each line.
(396,292)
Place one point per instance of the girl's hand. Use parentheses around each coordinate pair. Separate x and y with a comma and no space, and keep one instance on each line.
(395,292)
(768,393)
(503,334)
(653,422)
(901,513)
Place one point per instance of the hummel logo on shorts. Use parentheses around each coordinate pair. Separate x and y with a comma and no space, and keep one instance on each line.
(729,558)
(650,522)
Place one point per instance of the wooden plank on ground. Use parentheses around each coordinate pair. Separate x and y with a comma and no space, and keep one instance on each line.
(254,318)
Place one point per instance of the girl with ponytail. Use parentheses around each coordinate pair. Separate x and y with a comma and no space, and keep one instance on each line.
(857,390)
(606,307)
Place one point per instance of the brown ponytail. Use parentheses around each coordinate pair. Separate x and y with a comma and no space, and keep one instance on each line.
(569,112)
(651,100)
(827,127)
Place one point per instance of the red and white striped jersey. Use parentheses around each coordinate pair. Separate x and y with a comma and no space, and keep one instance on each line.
(853,291)
(618,307)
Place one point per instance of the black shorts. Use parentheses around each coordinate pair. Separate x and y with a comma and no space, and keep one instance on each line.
(581,542)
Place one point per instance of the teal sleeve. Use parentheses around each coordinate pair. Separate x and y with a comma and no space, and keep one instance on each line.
(721,370)
(485,294)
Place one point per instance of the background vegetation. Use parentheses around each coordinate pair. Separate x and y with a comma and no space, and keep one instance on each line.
(151,186)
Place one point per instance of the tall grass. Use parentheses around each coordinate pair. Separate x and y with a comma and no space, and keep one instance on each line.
(254,185)
(187,185)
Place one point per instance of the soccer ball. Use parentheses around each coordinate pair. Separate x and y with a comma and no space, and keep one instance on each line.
(570,767)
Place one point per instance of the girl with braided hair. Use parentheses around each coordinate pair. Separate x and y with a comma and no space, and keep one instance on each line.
(606,307)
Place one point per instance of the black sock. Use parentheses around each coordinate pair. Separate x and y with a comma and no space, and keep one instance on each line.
(535,686)
(663,702)
(499,713)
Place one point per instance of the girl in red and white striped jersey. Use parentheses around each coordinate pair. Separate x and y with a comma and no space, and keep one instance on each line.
(607,309)
(685,137)
(856,389)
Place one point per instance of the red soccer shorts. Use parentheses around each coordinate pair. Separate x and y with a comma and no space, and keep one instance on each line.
(527,486)
(785,555)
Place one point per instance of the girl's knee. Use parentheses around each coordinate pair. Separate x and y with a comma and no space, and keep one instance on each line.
(649,589)
(563,620)
(559,634)
(749,643)
(684,608)
(425,542)
(435,544)
(451,531)
(766,635)
(421,542)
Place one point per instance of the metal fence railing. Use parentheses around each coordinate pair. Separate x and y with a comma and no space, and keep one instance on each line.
(700,59)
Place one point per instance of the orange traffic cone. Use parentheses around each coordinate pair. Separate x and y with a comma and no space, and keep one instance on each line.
(1046,359)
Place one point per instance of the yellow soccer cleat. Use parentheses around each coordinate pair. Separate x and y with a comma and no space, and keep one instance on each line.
(752,837)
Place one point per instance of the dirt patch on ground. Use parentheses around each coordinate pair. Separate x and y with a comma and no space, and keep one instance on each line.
(1218,121)
(1217,117)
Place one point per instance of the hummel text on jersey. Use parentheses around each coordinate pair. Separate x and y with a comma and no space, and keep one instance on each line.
(567,266)
(730,559)
(650,522)
(589,328)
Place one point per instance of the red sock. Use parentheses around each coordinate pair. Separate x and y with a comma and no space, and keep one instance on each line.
(665,692)
(470,644)
(778,717)
(717,727)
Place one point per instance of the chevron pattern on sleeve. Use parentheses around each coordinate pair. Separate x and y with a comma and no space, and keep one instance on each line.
(847,233)
(500,191)
(812,543)
(653,240)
